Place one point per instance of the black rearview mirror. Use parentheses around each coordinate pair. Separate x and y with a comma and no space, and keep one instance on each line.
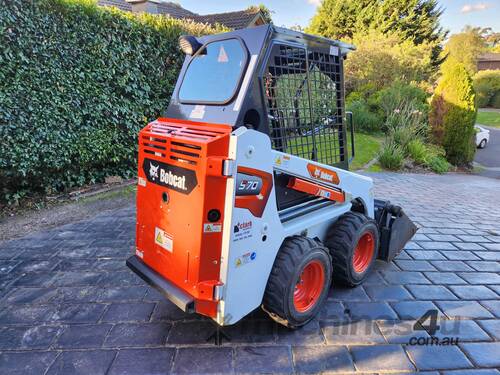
(189,44)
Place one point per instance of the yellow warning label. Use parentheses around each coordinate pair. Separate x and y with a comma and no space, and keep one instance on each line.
(212,227)
(164,239)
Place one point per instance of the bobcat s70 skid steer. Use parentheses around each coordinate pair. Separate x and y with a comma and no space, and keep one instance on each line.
(244,196)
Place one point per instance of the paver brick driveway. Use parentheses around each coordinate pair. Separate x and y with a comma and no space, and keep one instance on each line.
(69,305)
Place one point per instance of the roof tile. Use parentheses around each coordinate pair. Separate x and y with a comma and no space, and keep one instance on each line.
(120,4)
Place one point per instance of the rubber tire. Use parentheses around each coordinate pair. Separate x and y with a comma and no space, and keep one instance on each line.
(483,143)
(294,254)
(342,239)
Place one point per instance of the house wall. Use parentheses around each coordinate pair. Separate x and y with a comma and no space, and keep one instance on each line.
(145,7)
(484,65)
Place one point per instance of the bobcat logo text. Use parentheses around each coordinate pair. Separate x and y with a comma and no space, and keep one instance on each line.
(171,176)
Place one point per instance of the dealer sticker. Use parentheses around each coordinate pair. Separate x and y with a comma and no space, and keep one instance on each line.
(164,239)
(212,228)
(242,230)
(246,258)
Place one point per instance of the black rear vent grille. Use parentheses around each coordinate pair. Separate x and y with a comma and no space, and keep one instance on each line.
(154,146)
(185,152)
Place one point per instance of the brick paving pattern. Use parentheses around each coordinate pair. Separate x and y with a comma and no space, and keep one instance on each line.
(68,304)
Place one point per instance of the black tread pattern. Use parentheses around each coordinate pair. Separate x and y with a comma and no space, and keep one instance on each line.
(289,256)
(340,240)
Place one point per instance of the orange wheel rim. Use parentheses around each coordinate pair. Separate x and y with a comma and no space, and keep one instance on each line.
(309,286)
(363,253)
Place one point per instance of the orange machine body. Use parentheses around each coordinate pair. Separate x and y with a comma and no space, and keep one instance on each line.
(180,182)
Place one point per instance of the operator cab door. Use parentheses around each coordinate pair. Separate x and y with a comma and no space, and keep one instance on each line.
(303,92)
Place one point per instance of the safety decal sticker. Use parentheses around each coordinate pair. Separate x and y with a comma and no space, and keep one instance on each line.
(139,253)
(334,51)
(164,239)
(141,182)
(282,161)
(198,112)
(324,193)
(222,55)
(242,231)
(246,258)
(212,227)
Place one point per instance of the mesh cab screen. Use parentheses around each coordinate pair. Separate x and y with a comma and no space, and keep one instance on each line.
(305,106)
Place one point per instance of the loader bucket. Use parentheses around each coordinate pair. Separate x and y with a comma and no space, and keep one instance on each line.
(395,229)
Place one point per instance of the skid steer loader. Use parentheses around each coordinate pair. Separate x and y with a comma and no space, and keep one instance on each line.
(244,196)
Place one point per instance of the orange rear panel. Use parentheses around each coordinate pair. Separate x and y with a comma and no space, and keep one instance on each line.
(180,181)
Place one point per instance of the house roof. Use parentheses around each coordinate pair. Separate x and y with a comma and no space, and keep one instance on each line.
(120,4)
(234,20)
(489,57)
(174,10)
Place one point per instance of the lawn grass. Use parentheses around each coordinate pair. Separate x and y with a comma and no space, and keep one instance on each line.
(488,118)
(366,147)
(375,168)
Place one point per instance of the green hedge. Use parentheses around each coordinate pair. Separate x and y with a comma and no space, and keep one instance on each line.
(77,82)
(453,113)
(487,86)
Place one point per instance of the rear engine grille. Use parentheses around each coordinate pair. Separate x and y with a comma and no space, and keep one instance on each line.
(185,140)
(154,146)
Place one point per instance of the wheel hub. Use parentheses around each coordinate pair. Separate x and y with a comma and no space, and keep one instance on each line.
(363,253)
(309,286)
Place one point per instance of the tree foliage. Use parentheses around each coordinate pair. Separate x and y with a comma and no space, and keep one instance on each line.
(490,37)
(453,113)
(465,47)
(414,20)
(382,59)
(77,82)
(267,14)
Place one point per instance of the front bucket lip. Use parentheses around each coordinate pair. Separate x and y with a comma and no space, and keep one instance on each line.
(174,294)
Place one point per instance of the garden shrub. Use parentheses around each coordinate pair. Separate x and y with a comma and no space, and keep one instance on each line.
(390,98)
(77,82)
(403,136)
(487,87)
(364,120)
(438,164)
(453,113)
(391,155)
(406,123)
(417,151)
(430,156)
(354,96)
(376,107)
(495,102)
